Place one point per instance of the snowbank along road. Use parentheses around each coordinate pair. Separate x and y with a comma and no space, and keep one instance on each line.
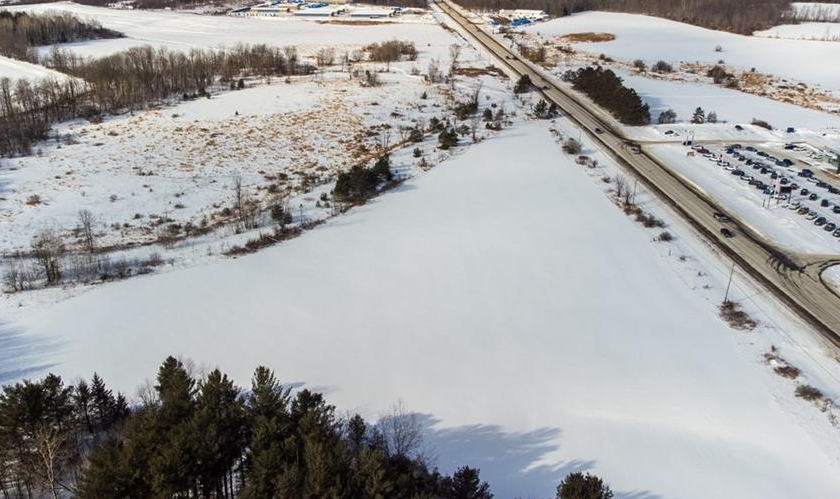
(794,277)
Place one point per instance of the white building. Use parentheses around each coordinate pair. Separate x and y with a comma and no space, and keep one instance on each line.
(531,15)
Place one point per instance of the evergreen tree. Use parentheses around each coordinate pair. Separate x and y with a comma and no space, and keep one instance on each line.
(699,116)
(269,423)
(580,486)
(467,484)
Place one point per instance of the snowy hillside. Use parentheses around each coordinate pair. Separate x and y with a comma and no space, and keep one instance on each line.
(505,297)
(14,69)
(652,39)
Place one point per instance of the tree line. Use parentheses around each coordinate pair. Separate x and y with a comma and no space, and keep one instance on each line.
(128,80)
(739,16)
(608,91)
(204,437)
(20,32)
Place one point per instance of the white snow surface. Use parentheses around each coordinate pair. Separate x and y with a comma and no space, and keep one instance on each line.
(14,70)
(804,31)
(652,39)
(183,31)
(730,105)
(507,299)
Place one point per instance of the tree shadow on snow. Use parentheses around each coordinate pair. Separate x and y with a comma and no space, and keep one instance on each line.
(512,462)
(506,459)
(21,355)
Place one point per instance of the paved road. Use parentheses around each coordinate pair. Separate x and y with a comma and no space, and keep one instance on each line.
(793,277)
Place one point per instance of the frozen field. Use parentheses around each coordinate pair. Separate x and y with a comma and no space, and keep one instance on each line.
(652,39)
(184,31)
(730,105)
(14,69)
(804,31)
(504,296)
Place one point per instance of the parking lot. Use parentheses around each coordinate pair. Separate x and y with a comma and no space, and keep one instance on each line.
(776,194)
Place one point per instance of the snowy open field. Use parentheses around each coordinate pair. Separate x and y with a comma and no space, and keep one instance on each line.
(14,69)
(730,105)
(491,294)
(804,31)
(184,31)
(652,39)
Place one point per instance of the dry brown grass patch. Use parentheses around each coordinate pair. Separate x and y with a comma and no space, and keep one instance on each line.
(587,37)
(736,318)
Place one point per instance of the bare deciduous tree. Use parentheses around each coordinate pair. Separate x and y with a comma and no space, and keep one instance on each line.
(86,222)
(47,249)
(402,430)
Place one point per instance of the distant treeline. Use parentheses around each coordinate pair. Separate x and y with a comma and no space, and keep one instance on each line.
(20,31)
(739,16)
(124,81)
(204,437)
(608,91)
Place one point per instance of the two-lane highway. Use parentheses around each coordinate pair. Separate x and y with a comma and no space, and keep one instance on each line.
(794,278)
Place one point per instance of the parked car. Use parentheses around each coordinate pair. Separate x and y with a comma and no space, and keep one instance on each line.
(820,221)
(784,181)
(803,211)
(790,129)
(822,185)
(836,233)
(794,205)
(804,192)
(830,227)
(836,209)
(824,203)
(833,190)
(720,217)
(787,162)
(739,127)
(812,215)
(750,148)
(738,172)
(813,196)
(727,233)
(806,172)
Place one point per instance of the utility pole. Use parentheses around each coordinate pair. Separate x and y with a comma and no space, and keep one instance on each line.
(728,284)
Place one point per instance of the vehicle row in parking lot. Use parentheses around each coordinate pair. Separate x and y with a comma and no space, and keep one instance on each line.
(781,181)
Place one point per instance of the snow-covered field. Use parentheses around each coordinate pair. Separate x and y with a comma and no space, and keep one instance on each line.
(730,105)
(507,299)
(184,31)
(14,70)
(804,31)
(652,39)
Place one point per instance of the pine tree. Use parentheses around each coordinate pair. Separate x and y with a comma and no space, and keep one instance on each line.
(467,484)
(269,423)
(699,116)
(219,420)
(580,486)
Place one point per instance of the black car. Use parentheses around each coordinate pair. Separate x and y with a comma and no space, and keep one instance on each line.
(774,175)
(726,232)
(813,196)
(598,130)
(836,209)
(762,154)
(822,185)
(819,222)
(737,172)
(824,203)
(804,192)
(750,148)
(784,181)
(787,162)
(833,190)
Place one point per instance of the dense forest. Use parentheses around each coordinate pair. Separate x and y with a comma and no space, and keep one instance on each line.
(607,90)
(21,32)
(127,80)
(204,437)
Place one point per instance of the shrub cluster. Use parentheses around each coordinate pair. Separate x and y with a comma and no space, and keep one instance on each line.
(608,91)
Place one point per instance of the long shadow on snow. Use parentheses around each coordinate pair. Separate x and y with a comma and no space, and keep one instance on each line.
(507,459)
(21,355)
